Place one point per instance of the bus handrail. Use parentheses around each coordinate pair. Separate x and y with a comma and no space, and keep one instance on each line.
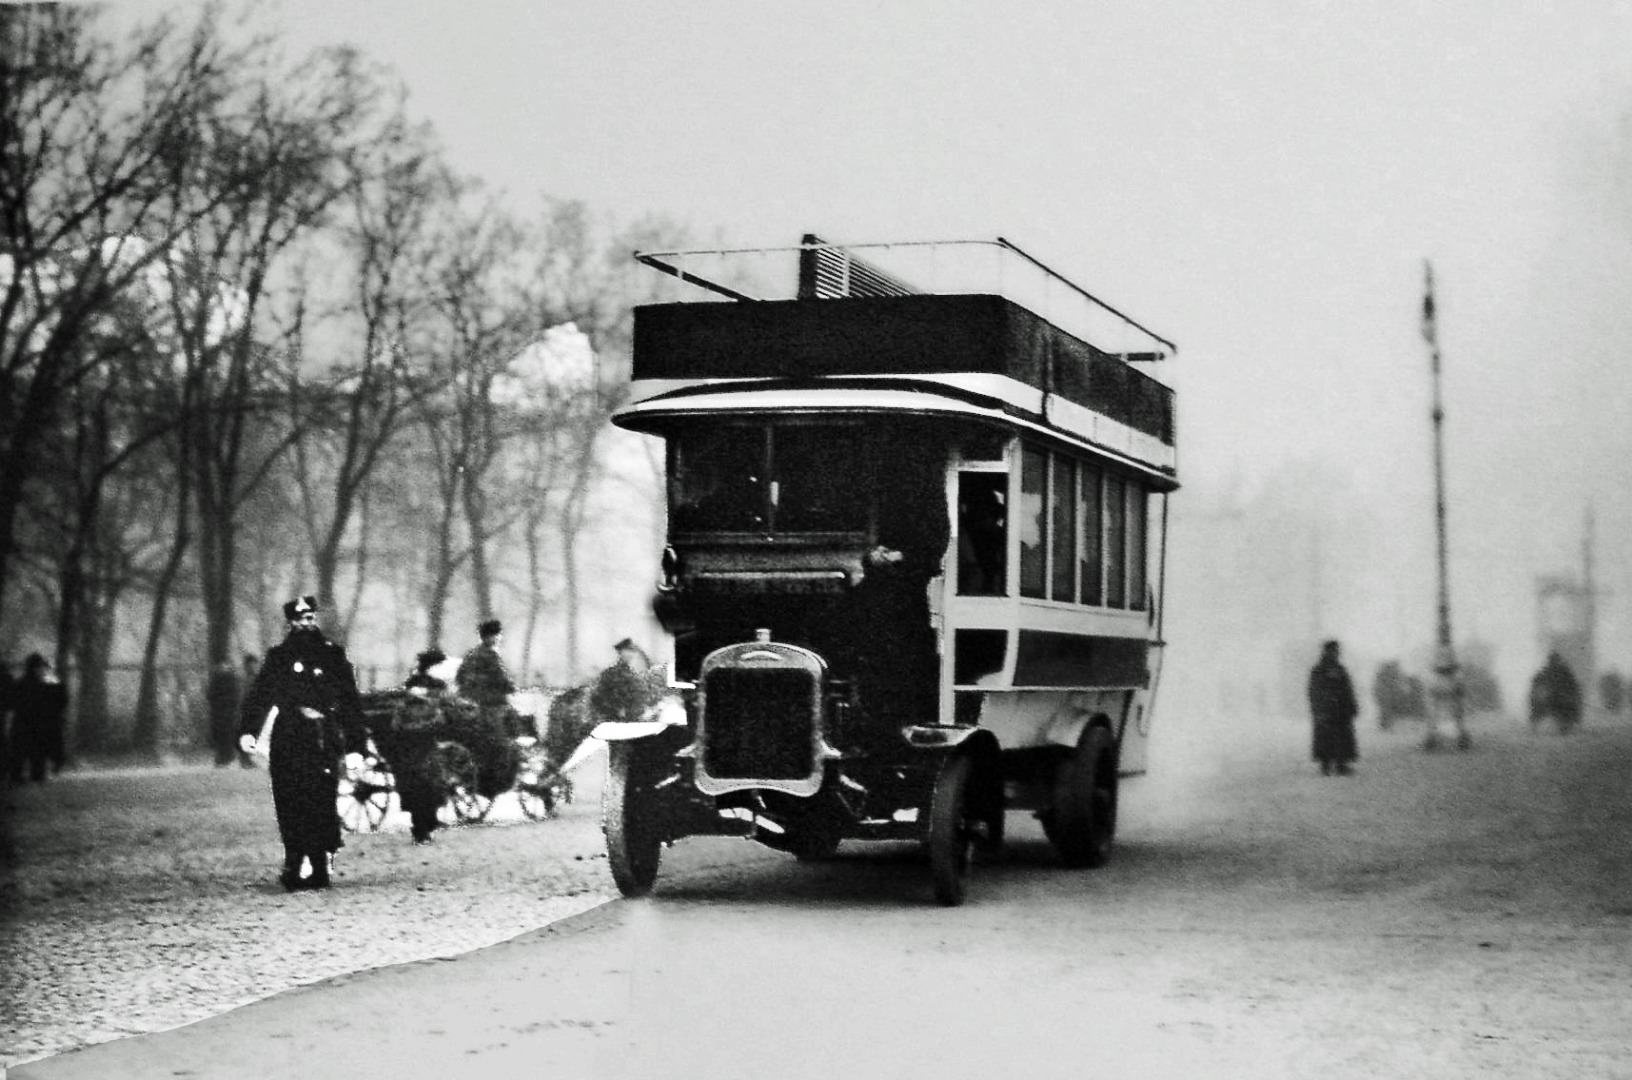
(672,262)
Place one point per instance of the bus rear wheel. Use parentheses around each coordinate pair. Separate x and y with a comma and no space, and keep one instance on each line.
(1081,822)
(634,845)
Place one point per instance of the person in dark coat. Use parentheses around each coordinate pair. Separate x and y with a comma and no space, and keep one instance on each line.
(482,676)
(1555,693)
(309,681)
(484,680)
(224,697)
(1333,706)
(39,710)
(411,743)
(6,683)
(623,691)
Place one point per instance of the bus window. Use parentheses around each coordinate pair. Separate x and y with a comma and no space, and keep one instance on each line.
(1116,543)
(1137,503)
(717,480)
(1093,532)
(821,478)
(1063,575)
(1033,507)
(982,533)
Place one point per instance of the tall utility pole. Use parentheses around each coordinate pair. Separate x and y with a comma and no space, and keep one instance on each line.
(1447,695)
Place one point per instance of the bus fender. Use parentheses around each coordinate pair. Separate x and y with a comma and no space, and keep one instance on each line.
(666,714)
(982,748)
(1066,729)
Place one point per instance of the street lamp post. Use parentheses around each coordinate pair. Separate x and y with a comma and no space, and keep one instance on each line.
(1447,693)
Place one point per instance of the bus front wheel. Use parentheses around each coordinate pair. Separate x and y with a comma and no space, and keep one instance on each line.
(634,845)
(950,839)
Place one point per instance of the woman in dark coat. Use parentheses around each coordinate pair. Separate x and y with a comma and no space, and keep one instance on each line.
(1333,706)
(309,680)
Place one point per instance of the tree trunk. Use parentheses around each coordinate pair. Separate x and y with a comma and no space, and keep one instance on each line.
(475,504)
(145,733)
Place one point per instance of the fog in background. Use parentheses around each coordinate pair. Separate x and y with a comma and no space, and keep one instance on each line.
(1262,183)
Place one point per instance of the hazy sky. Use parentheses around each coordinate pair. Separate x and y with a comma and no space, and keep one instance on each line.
(1260,182)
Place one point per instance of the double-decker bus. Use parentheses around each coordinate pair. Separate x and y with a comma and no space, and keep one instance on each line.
(916,517)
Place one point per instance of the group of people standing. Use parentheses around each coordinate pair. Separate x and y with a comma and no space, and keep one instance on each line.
(33,712)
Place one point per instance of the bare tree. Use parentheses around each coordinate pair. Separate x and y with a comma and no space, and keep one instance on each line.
(486,314)
(382,239)
(93,133)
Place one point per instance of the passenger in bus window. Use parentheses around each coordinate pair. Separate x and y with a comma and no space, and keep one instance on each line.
(1332,706)
(981,532)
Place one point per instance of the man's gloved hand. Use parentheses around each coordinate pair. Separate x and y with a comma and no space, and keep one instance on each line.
(246,743)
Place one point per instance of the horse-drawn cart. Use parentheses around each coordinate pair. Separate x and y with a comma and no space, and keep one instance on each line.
(446,744)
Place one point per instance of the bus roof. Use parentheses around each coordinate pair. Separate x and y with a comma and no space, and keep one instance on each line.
(843,320)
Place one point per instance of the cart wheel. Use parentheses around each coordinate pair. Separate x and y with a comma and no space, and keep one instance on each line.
(950,840)
(459,783)
(363,802)
(537,801)
(634,846)
(533,789)
(1082,821)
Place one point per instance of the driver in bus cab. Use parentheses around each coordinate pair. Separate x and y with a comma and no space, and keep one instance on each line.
(897,661)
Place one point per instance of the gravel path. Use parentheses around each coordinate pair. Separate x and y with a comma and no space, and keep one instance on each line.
(143,899)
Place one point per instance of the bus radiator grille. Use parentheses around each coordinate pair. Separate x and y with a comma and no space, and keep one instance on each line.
(759,724)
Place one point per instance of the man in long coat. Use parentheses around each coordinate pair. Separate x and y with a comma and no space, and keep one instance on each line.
(309,681)
(1333,706)
(1555,693)
(39,709)
(484,679)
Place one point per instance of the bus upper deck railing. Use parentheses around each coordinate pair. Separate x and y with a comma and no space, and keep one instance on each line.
(819,270)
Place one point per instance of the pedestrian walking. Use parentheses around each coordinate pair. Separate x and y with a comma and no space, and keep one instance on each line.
(1555,694)
(1333,707)
(309,681)
(410,746)
(39,710)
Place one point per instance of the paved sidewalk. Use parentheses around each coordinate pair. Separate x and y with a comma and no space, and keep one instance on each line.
(540,1005)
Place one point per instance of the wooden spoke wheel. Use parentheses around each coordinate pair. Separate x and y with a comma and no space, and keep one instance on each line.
(629,817)
(538,786)
(1081,823)
(457,768)
(951,835)
(364,798)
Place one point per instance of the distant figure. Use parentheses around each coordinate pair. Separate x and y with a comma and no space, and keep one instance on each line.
(484,680)
(6,683)
(623,691)
(39,709)
(310,682)
(1399,696)
(223,695)
(410,746)
(1555,695)
(482,676)
(1333,707)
